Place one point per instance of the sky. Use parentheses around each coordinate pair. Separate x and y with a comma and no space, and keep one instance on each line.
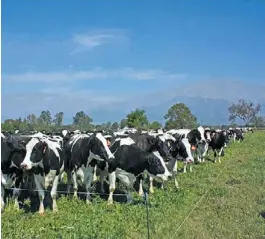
(89,55)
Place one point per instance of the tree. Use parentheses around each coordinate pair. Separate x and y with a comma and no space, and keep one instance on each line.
(179,116)
(32,119)
(246,111)
(123,123)
(58,119)
(137,119)
(45,117)
(258,121)
(115,126)
(82,120)
(155,125)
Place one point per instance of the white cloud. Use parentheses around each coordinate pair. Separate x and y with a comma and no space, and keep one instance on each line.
(95,73)
(88,41)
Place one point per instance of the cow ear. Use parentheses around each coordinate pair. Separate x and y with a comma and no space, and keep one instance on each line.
(151,140)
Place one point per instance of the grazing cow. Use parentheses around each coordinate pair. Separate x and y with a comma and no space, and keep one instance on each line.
(46,160)
(80,151)
(149,143)
(130,162)
(178,148)
(217,144)
(12,154)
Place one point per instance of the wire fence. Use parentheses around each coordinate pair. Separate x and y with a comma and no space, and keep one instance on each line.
(145,198)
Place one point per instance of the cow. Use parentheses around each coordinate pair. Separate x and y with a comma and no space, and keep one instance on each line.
(12,154)
(217,144)
(178,148)
(149,143)
(82,153)
(45,158)
(130,162)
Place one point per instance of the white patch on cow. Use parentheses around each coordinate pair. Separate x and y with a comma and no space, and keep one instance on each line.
(29,147)
(76,137)
(169,137)
(167,173)
(7,180)
(208,136)
(125,177)
(188,149)
(2,135)
(127,141)
(64,132)
(201,130)
(104,142)
(161,137)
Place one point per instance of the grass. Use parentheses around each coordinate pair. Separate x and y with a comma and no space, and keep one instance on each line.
(231,208)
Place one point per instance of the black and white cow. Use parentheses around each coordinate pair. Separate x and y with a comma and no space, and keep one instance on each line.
(130,163)
(82,153)
(45,158)
(148,143)
(179,148)
(12,154)
(217,144)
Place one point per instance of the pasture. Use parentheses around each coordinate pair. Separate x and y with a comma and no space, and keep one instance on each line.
(221,200)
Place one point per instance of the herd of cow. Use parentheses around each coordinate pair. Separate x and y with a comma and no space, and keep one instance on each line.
(125,155)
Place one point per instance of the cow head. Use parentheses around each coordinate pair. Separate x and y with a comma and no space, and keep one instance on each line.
(156,166)
(182,147)
(162,147)
(35,151)
(207,135)
(99,147)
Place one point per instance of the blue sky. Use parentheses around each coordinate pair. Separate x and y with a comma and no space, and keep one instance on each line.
(84,55)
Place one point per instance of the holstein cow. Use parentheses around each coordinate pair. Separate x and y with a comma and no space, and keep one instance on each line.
(149,143)
(199,140)
(12,154)
(81,150)
(178,147)
(130,162)
(46,160)
(217,144)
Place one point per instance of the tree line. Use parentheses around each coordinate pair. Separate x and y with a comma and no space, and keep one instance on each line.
(178,116)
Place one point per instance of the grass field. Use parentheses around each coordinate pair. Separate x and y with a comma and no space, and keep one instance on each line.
(230,198)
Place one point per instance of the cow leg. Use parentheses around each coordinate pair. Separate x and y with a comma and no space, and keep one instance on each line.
(219,154)
(69,177)
(190,166)
(15,196)
(206,148)
(95,174)
(185,167)
(2,197)
(54,192)
(102,175)
(215,154)
(151,187)
(129,194)
(75,185)
(112,184)
(141,192)
(88,178)
(39,181)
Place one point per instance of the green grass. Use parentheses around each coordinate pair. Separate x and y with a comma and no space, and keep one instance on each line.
(230,209)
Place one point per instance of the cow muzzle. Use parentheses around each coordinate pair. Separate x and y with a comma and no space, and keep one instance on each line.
(25,166)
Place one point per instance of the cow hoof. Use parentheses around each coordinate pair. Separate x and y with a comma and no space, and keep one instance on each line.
(110,203)
(151,191)
(141,194)
(55,210)
(41,213)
